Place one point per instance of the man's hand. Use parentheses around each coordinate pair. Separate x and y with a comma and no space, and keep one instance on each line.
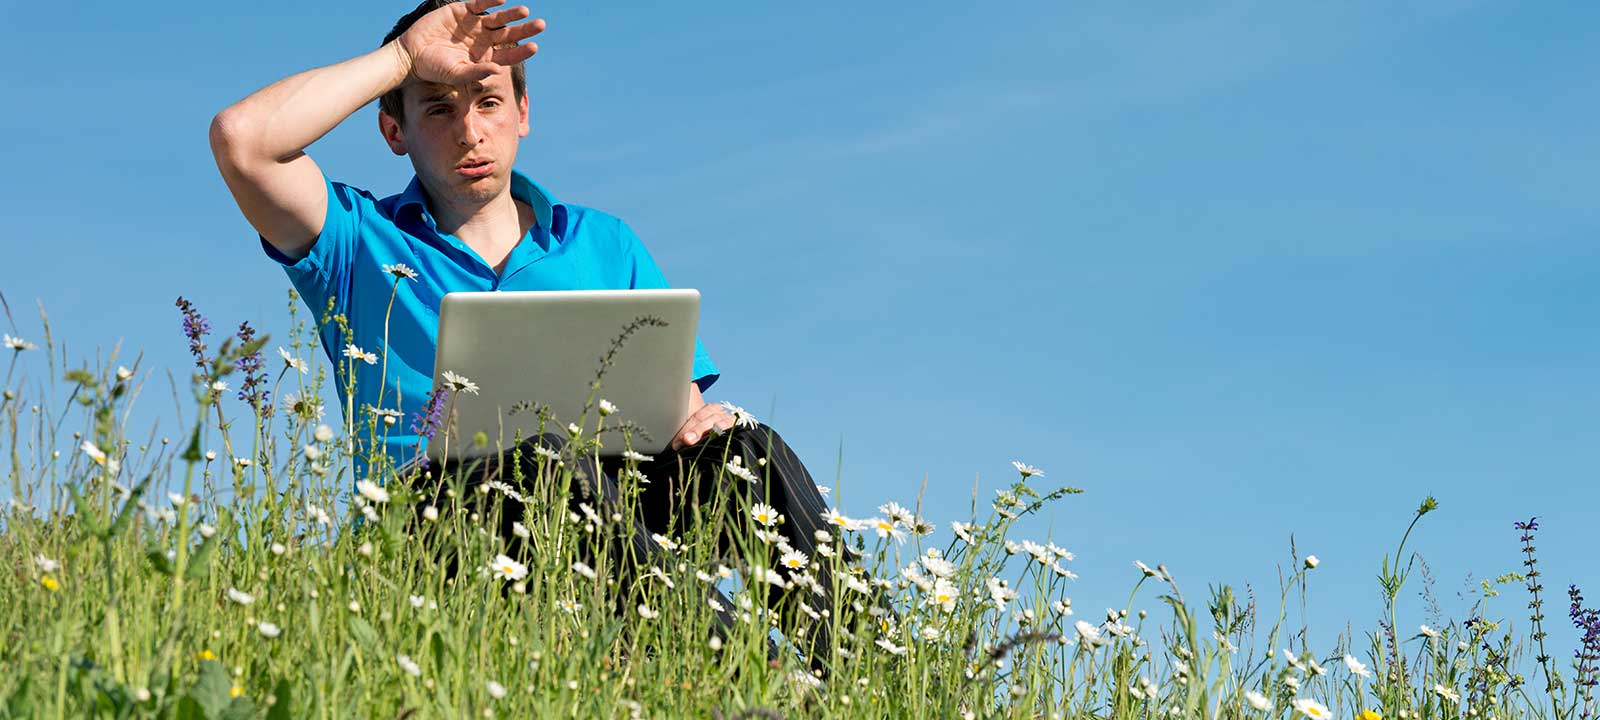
(703,420)
(455,45)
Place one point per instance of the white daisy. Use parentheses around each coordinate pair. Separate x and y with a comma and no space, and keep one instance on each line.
(123,373)
(635,456)
(459,383)
(1087,633)
(584,570)
(886,528)
(764,514)
(410,667)
(400,271)
(943,595)
(648,614)
(1026,470)
(94,452)
(268,630)
(940,567)
(891,647)
(496,690)
(292,362)
(508,569)
(416,601)
(793,560)
(1356,668)
(356,353)
(1446,693)
(1430,632)
(1312,709)
(238,596)
(665,542)
(1144,569)
(569,606)
(520,530)
(897,513)
(607,408)
(741,417)
(963,531)
(1312,562)
(372,491)
(1257,700)
(738,470)
(46,564)
(18,344)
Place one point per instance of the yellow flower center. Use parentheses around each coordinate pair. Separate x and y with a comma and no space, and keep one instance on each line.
(50,583)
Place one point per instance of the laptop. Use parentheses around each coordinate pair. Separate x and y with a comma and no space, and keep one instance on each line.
(545,347)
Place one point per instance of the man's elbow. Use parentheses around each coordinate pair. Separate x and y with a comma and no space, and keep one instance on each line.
(230,131)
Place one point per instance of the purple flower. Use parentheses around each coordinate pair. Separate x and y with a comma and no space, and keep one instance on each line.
(253,389)
(1587,655)
(195,328)
(428,418)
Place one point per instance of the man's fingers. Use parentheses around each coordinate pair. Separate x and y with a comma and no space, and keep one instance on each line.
(481,6)
(501,18)
(518,33)
(515,54)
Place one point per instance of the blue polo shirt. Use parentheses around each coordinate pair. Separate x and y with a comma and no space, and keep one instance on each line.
(570,248)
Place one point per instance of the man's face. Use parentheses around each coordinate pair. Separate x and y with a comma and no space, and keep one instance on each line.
(462,139)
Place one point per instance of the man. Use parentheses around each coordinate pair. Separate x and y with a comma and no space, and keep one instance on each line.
(453,99)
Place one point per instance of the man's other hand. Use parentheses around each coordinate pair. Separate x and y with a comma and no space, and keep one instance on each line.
(456,45)
(704,419)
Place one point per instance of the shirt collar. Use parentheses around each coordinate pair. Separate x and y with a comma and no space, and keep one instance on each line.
(522,188)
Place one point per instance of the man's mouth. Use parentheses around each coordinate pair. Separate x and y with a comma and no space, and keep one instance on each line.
(475,168)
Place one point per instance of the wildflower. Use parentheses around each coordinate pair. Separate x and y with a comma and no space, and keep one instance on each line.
(496,690)
(1315,668)
(410,667)
(891,647)
(943,595)
(857,584)
(211,455)
(366,547)
(17,344)
(268,630)
(1294,661)
(1088,633)
(1430,632)
(1144,569)
(1369,715)
(764,514)
(94,452)
(318,514)
(897,513)
(1000,594)
(292,362)
(356,353)
(206,655)
(793,560)
(49,583)
(312,452)
(1257,700)
(302,407)
(46,564)
(238,596)
(1037,551)
(1356,668)
(508,569)
(940,567)
(1026,470)
(241,462)
(665,542)
(459,383)
(737,469)
(636,457)
(1055,567)
(741,417)
(1312,562)
(430,513)
(520,530)
(1293,683)
(887,529)
(416,601)
(963,531)
(1446,693)
(584,570)
(569,606)
(123,373)
(606,408)
(1312,709)
(832,517)
(1063,607)
(400,271)
(372,491)
(220,386)
(648,614)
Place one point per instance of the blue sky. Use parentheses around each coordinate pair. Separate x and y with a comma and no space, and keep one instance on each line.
(1238,270)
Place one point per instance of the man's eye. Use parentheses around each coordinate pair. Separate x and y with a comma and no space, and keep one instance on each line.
(439,110)
(491,104)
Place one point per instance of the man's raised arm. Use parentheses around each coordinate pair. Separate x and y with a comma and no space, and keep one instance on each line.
(259,142)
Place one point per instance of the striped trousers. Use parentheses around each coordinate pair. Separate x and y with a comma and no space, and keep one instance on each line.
(683,487)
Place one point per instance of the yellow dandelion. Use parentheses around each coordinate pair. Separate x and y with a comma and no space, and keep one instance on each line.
(235,691)
(1369,715)
(50,583)
(206,655)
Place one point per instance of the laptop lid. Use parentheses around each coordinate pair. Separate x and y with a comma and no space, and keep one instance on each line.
(545,347)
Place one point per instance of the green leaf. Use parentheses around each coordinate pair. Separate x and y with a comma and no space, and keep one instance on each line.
(189,709)
(282,695)
(211,690)
(192,453)
(20,704)
(125,517)
(201,557)
(364,633)
(242,708)
(158,560)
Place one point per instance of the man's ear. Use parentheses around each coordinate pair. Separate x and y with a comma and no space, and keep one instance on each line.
(522,117)
(392,134)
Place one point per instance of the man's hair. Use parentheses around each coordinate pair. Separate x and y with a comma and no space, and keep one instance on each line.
(393,102)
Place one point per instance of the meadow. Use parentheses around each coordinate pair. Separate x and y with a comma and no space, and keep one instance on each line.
(237,570)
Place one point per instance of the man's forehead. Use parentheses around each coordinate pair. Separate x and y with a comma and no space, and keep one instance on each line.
(425,91)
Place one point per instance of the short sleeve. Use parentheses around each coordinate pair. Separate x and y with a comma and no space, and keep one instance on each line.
(325,270)
(643,274)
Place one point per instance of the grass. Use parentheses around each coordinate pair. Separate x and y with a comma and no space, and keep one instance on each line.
(232,573)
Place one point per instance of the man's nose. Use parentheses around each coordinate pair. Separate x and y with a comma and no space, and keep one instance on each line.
(469,134)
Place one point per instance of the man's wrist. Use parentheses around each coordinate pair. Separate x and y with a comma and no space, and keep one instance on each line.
(402,61)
